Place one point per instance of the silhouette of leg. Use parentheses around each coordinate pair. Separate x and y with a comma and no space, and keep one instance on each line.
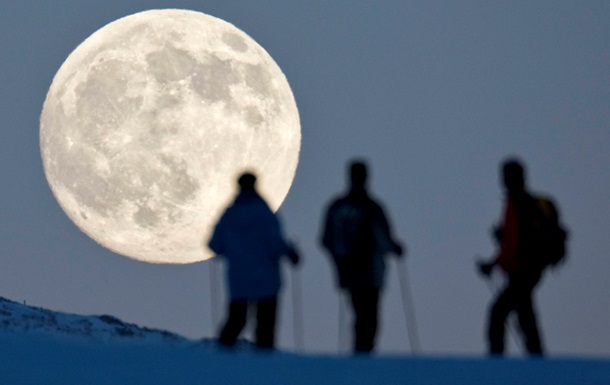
(529,327)
(516,296)
(366,303)
(266,310)
(500,310)
(238,310)
(524,306)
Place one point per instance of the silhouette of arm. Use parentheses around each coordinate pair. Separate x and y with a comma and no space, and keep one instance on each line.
(383,232)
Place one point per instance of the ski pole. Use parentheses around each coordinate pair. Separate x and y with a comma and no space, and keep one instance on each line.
(408,307)
(297,310)
(342,342)
(214,300)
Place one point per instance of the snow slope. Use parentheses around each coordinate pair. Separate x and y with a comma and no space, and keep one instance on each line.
(38,346)
(20,318)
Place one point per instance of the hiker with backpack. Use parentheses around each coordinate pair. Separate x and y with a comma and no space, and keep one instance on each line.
(249,237)
(530,238)
(357,236)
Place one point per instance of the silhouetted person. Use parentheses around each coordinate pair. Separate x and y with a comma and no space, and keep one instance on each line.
(519,258)
(249,237)
(357,235)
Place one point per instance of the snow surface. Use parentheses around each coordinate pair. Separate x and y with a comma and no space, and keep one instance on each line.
(38,346)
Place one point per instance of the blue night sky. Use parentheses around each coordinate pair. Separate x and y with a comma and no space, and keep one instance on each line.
(433,93)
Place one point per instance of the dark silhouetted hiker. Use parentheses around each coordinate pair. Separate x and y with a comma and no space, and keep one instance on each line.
(249,237)
(530,239)
(357,235)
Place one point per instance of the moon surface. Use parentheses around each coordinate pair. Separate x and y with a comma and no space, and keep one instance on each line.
(149,122)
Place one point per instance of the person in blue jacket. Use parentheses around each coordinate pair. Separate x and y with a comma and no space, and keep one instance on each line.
(249,237)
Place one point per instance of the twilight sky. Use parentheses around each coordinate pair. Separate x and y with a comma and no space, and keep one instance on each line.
(433,93)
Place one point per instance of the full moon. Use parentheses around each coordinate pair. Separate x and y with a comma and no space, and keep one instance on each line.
(149,122)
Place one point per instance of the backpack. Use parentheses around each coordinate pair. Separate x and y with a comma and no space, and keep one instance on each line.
(349,230)
(549,234)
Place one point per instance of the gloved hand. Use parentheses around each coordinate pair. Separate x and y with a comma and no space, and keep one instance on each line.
(398,250)
(293,255)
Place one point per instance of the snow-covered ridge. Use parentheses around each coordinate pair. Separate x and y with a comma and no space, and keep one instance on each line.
(40,347)
(18,318)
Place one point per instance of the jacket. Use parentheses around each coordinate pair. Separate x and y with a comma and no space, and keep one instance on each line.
(517,242)
(358,254)
(248,236)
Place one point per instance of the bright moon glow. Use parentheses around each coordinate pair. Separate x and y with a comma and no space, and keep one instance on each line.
(148,123)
